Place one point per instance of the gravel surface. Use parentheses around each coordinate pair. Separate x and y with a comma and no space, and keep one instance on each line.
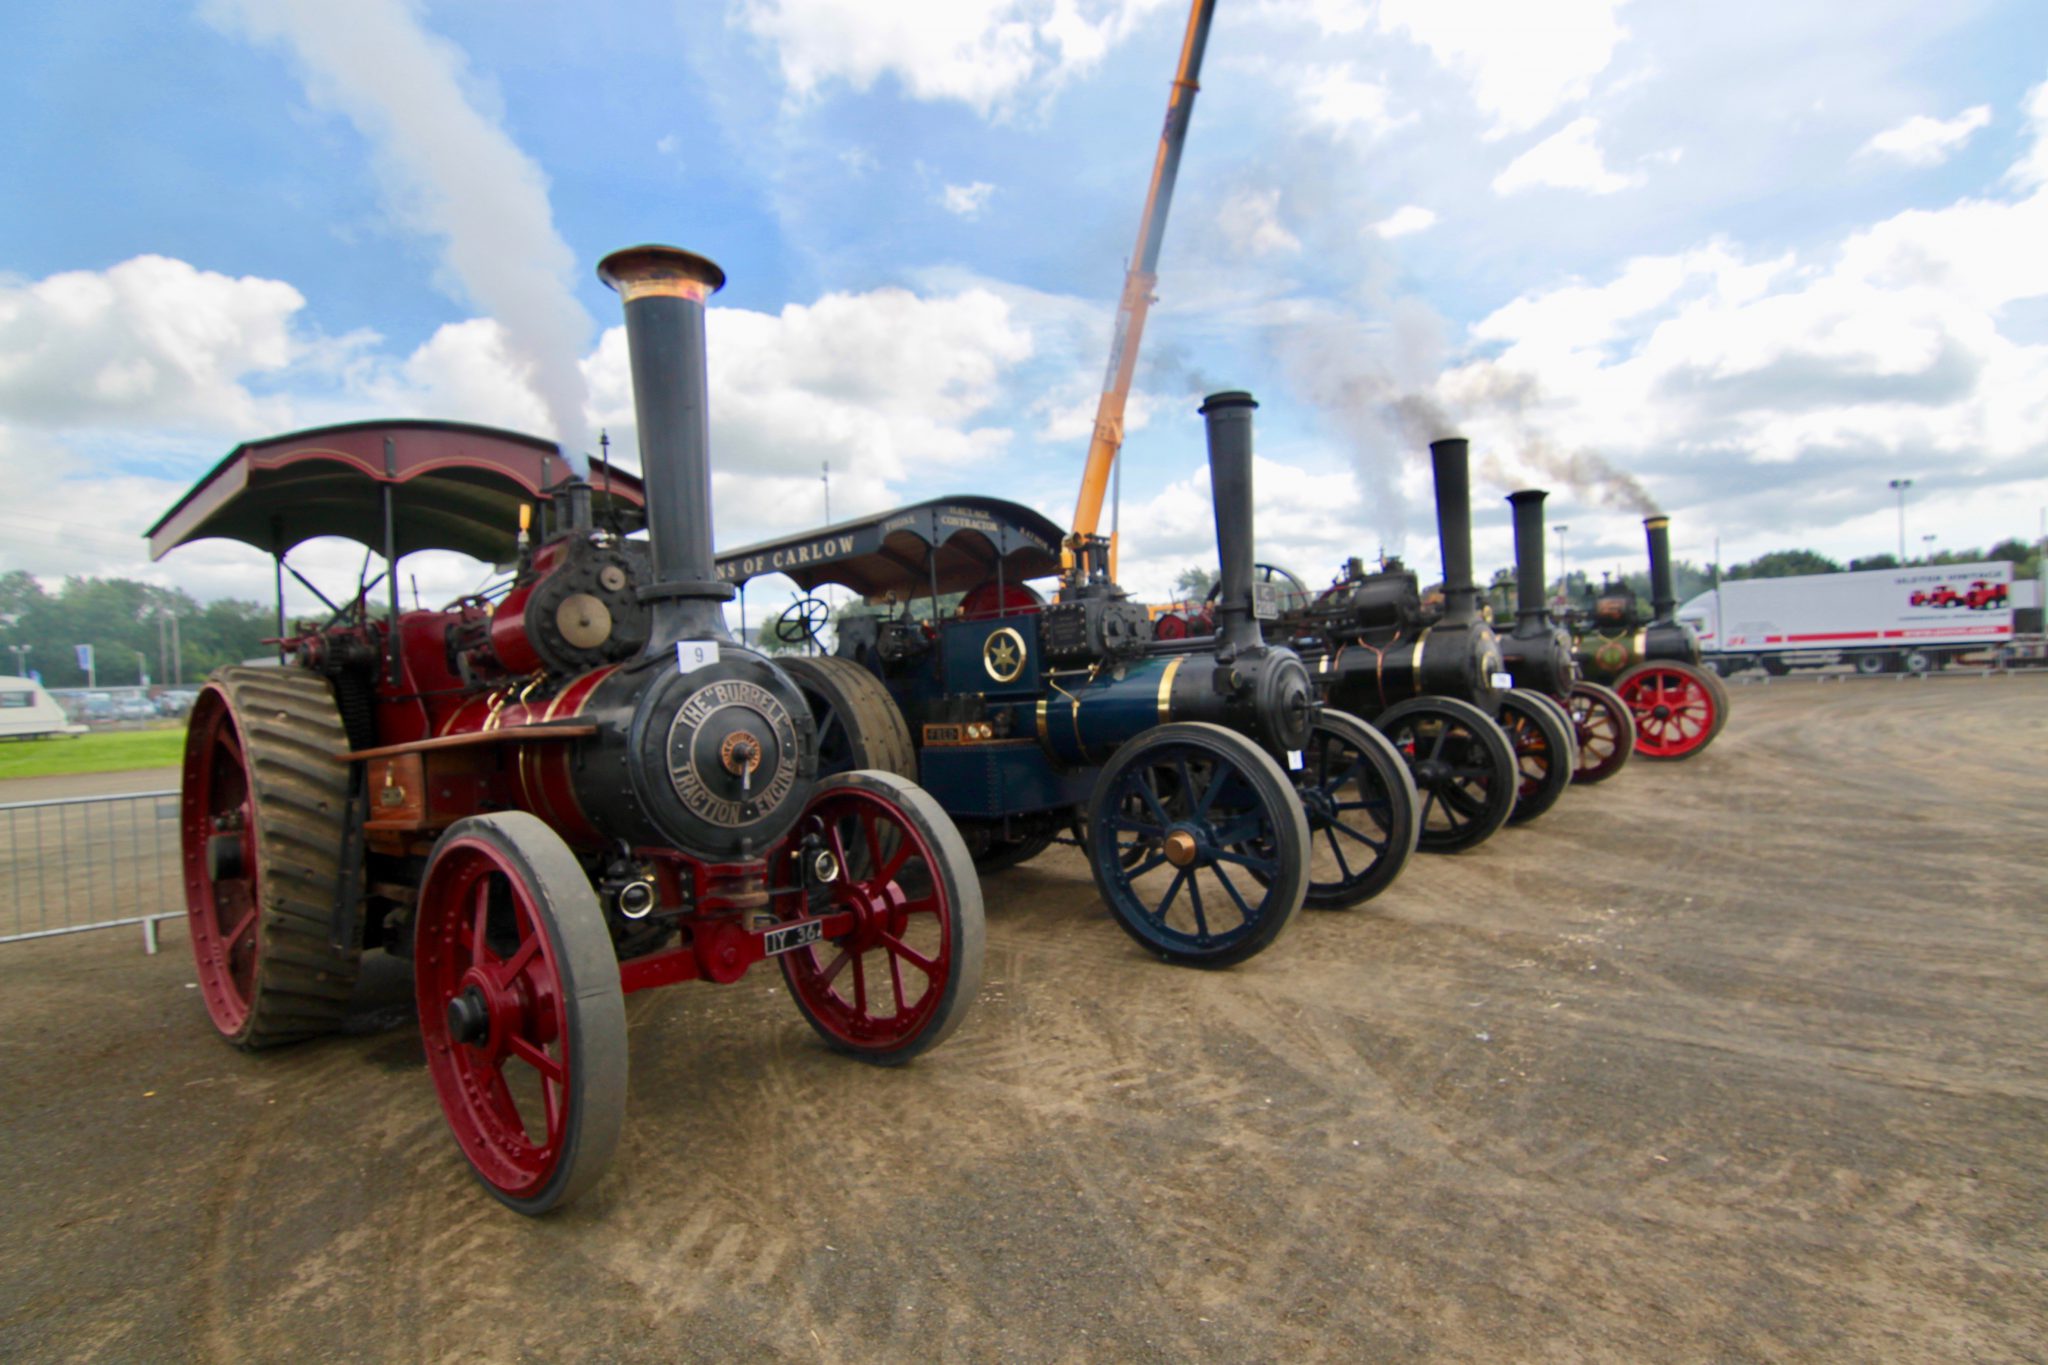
(1731,1059)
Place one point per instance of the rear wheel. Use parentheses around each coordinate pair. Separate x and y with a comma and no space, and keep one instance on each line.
(859,725)
(1198,844)
(521,1010)
(262,820)
(903,977)
(1605,729)
(1870,665)
(1917,661)
(1678,708)
(1544,749)
(1463,766)
(1362,811)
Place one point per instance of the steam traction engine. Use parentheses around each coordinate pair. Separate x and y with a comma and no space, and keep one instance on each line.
(1679,706)
(584,789)
(1538,654)
(1028,719)
(1433,682)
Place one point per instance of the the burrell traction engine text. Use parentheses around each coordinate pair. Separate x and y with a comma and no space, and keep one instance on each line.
(585,789)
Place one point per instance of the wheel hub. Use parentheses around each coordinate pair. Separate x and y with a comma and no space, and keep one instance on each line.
(1661,711)
(1432,772)
(1181,848)
(469,1017)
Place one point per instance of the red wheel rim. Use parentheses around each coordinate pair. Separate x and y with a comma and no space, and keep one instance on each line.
(877,987)
(1007,599)
(222,912)
(482,940)
(1598,730)
(1674,711)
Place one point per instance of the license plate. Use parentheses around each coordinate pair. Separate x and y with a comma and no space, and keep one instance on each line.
(791,937)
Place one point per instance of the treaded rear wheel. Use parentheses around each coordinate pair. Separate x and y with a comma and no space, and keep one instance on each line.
(859,725)
(262,819)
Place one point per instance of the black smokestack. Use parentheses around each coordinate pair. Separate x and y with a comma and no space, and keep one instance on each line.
(664,291)
(1449,459)
(1229,416)
(1663,598)
(1529,575)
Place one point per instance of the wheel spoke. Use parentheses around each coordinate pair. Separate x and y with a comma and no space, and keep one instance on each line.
(233,940)
(1343,867)
(1377,846)
(519,961)
(480,921)
(1172,890)
(898,949)
(534,1056)
(1231,886)
(1144,785)
(1195,894)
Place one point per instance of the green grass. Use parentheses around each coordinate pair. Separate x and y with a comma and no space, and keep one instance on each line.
(106,751)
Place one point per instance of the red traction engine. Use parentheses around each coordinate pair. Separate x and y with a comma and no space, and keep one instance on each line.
(586,789)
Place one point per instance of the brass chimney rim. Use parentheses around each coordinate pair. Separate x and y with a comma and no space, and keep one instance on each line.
(655,271)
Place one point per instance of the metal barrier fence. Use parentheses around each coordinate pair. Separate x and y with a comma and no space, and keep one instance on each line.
(89,862)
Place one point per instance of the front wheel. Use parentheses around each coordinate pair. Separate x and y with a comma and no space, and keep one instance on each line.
(1544,750)
(1198,844)
(1362,810)
(1463,765)
(1605,729)
(902,978)
(521,1011)
(1678,708)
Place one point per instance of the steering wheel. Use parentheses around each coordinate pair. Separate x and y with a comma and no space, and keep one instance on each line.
(802,620)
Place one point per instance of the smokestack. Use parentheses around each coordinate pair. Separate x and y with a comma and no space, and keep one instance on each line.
(1529,575)
(1663,598)
(1229,418)
(664,290)
(1449,459)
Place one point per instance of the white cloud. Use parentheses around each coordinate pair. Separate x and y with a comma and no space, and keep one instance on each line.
(448,170)
(149,342)
(1924,141)
(982,53)
(1335,98)
(1568,159)
(967,200)
(1403,221)
(1524,61)
(1251,223)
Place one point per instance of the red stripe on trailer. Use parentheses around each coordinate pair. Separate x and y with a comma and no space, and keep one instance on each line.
(1835,635)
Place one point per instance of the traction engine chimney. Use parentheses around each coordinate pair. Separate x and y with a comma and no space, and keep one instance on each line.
(1448,459)
(664,290)
(1663,598)
(1530,610)
(1229,419)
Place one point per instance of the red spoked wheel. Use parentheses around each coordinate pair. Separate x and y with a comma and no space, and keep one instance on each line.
(1545,753)
(1606,731)
(261,824)
(521,1010)
(902,978)
(1678,712)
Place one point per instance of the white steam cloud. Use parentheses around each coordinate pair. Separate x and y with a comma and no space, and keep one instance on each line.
(448,170)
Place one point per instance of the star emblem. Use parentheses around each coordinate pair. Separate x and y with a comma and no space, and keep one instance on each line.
(1002,657)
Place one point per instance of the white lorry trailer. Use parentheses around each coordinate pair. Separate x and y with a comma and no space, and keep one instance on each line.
(1880,620)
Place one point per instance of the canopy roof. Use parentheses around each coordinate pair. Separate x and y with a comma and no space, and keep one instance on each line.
(961,541)
(457,487)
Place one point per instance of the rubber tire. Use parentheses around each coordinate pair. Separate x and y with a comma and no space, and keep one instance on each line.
(1871,665)
(1625,748)
(594,998)
(1772,666)
(878,738)
(1558,734)
(1501,756)
(1722,701)
(1918,662)
(1275,792)
(291,736)
(1405,808)
(968,925)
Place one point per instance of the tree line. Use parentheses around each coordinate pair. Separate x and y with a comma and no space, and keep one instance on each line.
(130,627)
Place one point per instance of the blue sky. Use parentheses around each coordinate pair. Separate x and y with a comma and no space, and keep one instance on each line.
(1761,260)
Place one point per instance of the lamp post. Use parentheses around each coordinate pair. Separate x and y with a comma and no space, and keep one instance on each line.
(1928,541)
(1900,486)
(1564,572)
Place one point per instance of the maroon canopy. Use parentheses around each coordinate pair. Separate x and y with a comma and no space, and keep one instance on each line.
(456,487)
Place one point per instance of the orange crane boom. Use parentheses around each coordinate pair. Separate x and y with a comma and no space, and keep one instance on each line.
(1108,437)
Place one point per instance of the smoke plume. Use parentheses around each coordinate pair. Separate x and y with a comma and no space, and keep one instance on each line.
(448,170)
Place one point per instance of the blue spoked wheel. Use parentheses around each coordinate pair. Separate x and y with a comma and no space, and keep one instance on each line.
(1364,816)
(1198,844)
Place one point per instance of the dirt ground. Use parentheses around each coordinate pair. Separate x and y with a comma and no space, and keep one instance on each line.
(1738,1058)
